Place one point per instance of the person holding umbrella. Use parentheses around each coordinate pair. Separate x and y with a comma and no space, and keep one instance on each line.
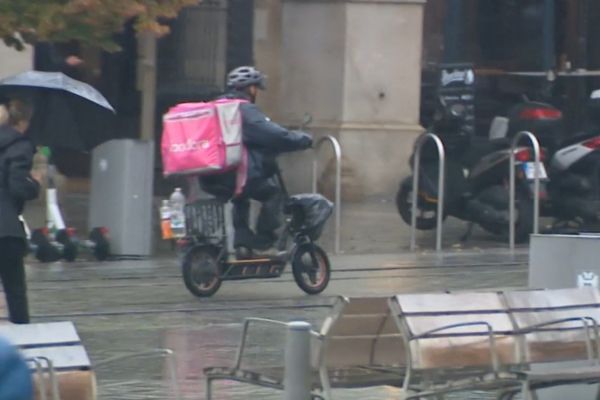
(17,185)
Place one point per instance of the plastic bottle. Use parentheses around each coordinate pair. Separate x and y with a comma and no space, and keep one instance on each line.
(165,220)
(177,203)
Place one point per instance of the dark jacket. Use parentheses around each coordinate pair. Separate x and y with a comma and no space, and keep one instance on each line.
(16,184)
(48,57)
(265,139)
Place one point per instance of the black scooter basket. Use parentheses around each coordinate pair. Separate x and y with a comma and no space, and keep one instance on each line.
(205,219)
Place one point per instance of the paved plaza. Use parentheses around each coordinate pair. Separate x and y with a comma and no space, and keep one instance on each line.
(124,307)
(129,306)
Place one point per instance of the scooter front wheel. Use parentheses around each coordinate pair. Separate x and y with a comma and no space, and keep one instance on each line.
(311,268)
(201,271)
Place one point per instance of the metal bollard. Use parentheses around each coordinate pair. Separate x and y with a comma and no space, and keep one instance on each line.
(441,183)
(337,149)
(536,188)
(297,361)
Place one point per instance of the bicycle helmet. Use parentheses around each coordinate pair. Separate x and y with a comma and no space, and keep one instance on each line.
(243,77)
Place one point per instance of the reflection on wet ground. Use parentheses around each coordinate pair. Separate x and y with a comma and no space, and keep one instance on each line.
(132,306)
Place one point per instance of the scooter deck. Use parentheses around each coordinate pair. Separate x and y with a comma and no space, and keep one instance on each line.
(256,268)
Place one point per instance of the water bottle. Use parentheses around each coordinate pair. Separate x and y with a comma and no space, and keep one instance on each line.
(177,203)
(165,220)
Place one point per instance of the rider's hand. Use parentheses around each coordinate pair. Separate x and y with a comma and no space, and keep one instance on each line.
(37,176)
(306,140)
(73,61)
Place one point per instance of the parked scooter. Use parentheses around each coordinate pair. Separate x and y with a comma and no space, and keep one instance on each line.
(477,175)
(56,241)
(573,167)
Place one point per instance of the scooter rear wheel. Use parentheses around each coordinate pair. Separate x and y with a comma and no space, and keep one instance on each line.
(523,219)
(101,247)
(311,268)
(70,249)
(44,252)
(201,271)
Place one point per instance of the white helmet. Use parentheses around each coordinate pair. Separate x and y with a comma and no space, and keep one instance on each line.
(242,77)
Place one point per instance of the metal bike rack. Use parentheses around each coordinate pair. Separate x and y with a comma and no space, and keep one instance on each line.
(338,182)
(536,185)
(441,180)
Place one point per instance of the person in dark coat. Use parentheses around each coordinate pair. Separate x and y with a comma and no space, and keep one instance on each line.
(264,140)
(17,185)
(49,57)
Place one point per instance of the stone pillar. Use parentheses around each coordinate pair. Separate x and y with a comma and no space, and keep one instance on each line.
(14,62)
(355,65)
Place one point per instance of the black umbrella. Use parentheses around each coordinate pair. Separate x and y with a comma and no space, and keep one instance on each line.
(67,113)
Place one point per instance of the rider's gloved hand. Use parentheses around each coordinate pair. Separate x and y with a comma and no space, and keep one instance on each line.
(305,140)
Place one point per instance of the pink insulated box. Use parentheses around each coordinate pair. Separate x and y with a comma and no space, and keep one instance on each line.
(202,138)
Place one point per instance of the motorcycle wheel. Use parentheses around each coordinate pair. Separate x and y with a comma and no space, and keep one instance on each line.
(524,220)
(311,268)
(426,217)
(201,271)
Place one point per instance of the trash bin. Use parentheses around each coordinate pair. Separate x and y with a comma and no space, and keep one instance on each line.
(564,261)
(121,195)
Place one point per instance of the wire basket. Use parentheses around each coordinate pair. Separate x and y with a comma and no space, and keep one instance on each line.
(205,219)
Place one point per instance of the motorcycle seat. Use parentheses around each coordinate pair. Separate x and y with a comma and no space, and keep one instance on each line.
(577,137)
(480,146)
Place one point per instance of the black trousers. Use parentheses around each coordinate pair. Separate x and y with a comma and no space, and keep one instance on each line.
(265,190)
(269,194)
(12,274)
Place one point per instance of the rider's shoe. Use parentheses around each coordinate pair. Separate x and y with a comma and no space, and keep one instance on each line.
(243,253)
(243,237)
(247,238)
(272,253)
(264,241)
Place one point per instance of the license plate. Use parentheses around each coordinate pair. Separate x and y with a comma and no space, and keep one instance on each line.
(529,170)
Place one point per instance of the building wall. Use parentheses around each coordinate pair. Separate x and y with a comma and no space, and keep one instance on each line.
(354,65)
(383,42)
(14,61)
(267,51)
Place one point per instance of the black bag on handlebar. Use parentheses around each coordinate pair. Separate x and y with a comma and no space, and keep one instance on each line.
(309,213)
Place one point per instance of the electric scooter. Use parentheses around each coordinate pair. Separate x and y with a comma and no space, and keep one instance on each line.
(56,240)
(207,260)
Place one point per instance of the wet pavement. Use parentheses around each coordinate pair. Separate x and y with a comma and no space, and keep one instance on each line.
(124,307)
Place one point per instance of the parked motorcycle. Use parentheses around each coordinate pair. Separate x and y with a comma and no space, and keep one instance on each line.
(573,166)
(477,176)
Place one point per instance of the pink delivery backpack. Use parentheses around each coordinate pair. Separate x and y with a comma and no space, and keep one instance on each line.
(204,139)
